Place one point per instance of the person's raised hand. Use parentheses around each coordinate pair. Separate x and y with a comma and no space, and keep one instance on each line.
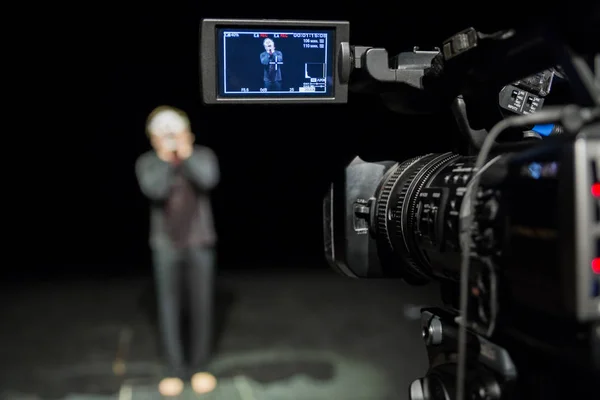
(185,144)
(159,143)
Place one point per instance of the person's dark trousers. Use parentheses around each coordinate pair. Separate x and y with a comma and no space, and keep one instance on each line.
(177,273)
(273,86)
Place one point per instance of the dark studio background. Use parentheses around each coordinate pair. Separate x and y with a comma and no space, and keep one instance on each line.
(112,67)
(77,268)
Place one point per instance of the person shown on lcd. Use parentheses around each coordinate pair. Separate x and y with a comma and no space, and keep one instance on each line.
(272,60)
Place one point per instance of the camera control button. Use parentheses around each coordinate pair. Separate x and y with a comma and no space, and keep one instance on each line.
(361,217)
(362,210)
(453,205)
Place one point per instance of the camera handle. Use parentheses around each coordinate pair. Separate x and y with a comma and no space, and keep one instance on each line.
(422,82)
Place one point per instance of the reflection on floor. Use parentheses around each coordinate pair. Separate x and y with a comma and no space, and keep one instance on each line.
(293,335)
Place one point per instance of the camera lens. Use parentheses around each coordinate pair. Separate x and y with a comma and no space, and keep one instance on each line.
(418,203)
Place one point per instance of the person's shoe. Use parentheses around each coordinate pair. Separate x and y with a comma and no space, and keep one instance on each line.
(203,382)
(170,387)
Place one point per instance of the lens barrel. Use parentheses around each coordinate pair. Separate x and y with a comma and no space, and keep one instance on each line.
(417,210)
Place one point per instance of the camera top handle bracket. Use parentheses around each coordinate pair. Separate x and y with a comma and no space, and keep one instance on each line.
(421,82)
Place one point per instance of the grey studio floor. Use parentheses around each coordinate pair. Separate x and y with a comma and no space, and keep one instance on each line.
(298,334)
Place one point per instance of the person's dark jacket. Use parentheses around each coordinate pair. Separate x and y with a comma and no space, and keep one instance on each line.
(271,74)
(158,179)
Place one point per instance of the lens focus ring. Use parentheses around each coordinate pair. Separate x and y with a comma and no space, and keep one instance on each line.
(406,208)
(401,206)
(385,194)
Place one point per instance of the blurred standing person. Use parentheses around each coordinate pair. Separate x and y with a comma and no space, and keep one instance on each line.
(177,177)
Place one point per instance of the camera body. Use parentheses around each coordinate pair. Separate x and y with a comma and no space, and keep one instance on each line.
(523,321)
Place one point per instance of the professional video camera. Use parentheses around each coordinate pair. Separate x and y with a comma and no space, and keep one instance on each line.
(510,229)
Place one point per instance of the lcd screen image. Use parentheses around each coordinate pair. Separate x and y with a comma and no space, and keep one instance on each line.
(275,63)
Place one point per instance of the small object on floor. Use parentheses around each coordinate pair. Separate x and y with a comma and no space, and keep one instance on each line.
(170,387)
(203,382)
